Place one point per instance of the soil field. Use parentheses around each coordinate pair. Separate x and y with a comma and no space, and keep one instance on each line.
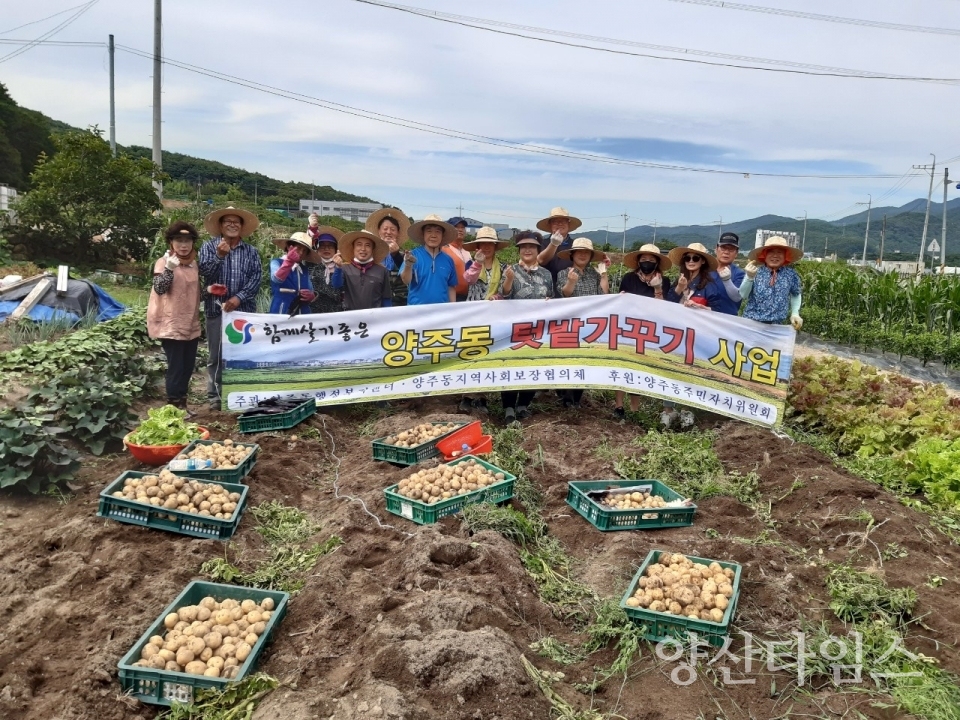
(430,623)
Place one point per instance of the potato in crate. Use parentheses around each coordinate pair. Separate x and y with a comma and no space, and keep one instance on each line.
(630,504)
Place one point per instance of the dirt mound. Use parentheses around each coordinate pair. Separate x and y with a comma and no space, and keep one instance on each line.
(429,623)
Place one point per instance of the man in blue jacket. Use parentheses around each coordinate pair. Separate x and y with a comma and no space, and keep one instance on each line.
(728,276)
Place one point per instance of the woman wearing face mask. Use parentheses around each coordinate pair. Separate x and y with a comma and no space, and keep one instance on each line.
(772,288)
(173,309)
(647,280)
(694,287)
(526,280)
(322,267)
(290,283)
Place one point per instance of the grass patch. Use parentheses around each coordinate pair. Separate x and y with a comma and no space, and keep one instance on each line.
(284,529)
(236,702)
(859,596)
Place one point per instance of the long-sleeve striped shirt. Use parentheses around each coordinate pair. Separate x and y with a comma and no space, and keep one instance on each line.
(240,271)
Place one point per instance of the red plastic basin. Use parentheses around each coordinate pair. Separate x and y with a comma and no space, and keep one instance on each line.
(470,435)
(158,454)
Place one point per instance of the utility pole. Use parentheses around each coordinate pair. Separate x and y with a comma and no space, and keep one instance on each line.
(654,232)
(720,232)
(867,233)
(883,235)
(606,236)
(460,210)
(623,247)
(826,239)
(113,105)
(157,64)
(943,230)
(803,242)
(926,218)
(254,191)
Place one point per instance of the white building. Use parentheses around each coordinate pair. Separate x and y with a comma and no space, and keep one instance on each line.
(7,196)
(792,238)
(356,211)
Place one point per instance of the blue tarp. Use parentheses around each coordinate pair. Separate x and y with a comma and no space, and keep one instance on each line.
(82,297)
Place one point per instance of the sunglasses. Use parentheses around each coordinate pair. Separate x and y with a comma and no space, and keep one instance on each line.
(692,258)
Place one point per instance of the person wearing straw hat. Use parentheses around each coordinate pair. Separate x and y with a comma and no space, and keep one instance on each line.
(427,271)
(231,271)
(727,275)
(648,265)
(771,288)
(173,310)
(290,285)
(323,266)
(581,280)
(483,279)
(461,257)
(526,280)
(391,225)
(694,288)
(365,281)
(558,226)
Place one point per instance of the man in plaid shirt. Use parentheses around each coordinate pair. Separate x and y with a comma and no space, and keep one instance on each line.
(231,271)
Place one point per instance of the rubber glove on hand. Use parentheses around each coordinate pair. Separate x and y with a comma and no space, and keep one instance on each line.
(724,272)
(796,321)
(292,256)
(751,269)
(308,295)
(172,262)
(556,239)
(656,281)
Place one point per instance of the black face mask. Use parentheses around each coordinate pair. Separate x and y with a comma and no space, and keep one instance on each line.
(647,267)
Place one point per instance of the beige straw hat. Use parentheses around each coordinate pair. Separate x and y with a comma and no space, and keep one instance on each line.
(559,212)
(415,232)
(632,258)
(676,255)
(380,248)
(373,222)
(581,244)
(793,254)
(300,238)
(486,235)
(211,223)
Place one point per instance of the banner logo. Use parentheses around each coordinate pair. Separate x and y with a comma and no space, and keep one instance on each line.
(239,332)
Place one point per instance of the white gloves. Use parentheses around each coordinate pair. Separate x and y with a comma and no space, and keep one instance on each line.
(602,268)
(656,281)
(724,272)
(556,239)
(751,269)
(796,321)
(172,262)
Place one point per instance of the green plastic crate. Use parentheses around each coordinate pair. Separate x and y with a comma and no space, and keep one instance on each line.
(225,476)
(137,513)
(664,626)
(410,456)
(425,514)
(163,687)
(606,519)
(278,421)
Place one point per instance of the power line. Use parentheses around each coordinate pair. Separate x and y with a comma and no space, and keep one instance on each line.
(49,33)
(473,137)
(736,61)
(823,18)
(48,17)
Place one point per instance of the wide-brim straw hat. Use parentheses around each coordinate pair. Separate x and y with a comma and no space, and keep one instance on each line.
(337,233)
(300,238)
(632,259)
(676,255)
(380,247)
(415,232)
(559,212)
(373,222)
(581,244)
(793,254)
(487,235)
(211,223)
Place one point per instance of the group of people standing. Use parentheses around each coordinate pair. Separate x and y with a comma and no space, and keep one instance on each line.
(325,270)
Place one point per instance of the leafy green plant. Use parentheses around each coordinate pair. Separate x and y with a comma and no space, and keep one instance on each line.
(859,596)
(236,701)
(933,466)
(31,456)
(166,425)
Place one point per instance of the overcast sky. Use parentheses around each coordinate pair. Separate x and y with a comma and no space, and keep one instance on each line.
(523,90)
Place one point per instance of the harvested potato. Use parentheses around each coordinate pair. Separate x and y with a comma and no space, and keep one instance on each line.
(191,496)
(677,585)
(224,456)
(208,647)
(420,434)
(431,485)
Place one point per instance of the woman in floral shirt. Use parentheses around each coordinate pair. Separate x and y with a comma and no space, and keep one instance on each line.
(328,298)
(772,288)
